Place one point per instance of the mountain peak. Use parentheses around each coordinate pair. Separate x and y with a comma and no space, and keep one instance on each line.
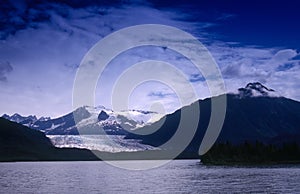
(258,86)
(255,89)
(103,116)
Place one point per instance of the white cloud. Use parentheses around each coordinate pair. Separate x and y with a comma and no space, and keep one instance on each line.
(46,53)
(241,65)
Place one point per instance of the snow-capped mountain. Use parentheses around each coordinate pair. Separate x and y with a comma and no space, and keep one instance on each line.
(89,121)
(18,118)
(256,89)
(27,121)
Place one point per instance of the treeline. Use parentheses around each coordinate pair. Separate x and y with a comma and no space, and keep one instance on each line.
(252,153)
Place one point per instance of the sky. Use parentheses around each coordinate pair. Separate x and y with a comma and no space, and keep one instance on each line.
(42,44)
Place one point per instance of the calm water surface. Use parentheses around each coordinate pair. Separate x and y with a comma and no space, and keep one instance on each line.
(181,176)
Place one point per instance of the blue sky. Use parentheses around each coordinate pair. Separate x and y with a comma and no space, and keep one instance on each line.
(43,42)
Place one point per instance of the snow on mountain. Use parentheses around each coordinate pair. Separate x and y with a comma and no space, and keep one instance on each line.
(256,89)
(44,118)
(64,131)
(26,121)
(18,118)
(89,121)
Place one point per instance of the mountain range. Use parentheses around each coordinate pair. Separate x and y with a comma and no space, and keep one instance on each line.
(91,119)
(254,113)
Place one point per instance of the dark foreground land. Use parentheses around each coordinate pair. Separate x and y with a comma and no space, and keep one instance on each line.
(20,143)
(254,153)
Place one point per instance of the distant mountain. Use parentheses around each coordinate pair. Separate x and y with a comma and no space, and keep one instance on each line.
(252,114)
(21,119)
(90,121)
(20,143)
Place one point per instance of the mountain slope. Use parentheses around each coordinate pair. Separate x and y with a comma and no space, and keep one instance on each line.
(20,143)
(248,118)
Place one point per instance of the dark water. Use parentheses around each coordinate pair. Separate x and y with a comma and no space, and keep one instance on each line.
(184,176)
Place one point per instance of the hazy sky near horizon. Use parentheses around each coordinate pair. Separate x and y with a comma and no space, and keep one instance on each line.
(43,42)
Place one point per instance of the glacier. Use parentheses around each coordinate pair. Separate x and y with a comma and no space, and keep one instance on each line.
(105,143)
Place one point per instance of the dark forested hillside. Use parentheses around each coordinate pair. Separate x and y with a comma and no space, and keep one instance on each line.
(19,143)
(252,153)
(266,119)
